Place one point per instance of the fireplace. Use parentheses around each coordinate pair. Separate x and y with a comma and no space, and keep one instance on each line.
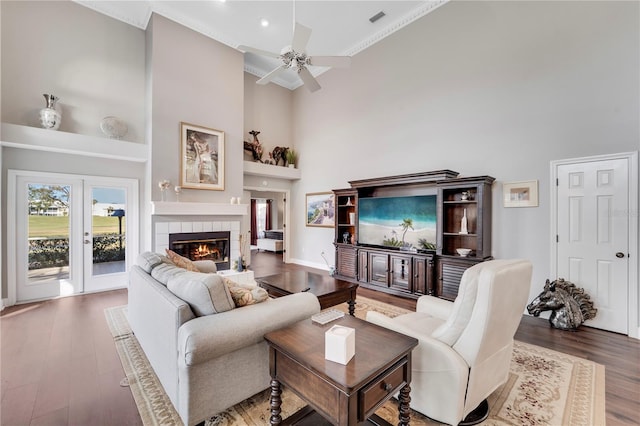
(203,246)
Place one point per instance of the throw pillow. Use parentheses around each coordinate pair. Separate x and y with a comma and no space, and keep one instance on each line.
(207,294)
(181,262)
(244,295)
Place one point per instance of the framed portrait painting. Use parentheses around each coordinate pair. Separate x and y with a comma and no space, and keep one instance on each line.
(520,194)
(321,209)
(201,157)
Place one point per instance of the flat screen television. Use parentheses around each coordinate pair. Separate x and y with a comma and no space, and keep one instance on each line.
(405,222)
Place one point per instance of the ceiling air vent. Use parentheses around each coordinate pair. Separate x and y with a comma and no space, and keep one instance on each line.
(377,16)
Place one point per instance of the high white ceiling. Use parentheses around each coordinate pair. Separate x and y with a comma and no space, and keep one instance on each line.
(339,27)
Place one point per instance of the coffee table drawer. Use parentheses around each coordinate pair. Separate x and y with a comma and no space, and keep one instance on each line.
(381,388)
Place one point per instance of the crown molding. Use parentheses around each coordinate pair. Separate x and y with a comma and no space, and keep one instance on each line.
(395,26)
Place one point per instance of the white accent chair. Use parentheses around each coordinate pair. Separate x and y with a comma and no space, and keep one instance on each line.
(465,346)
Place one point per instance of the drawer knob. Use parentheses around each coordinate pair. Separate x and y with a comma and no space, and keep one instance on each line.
(387,386)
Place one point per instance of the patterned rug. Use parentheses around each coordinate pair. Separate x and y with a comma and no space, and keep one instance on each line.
(545,387)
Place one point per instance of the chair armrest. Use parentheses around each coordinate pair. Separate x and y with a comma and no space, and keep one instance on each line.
(434,306)
(430,354)
(208,337)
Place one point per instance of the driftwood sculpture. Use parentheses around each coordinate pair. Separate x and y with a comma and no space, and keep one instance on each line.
(255,147)
(571,306)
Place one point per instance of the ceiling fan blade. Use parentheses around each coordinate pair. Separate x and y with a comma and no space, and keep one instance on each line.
(273,74)
(331,61)
(309,81)
(301,35)
(258,51)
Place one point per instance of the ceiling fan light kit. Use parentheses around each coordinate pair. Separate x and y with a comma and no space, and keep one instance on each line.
(294,56)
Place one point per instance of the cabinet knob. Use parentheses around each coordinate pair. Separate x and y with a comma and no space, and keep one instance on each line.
(387,386)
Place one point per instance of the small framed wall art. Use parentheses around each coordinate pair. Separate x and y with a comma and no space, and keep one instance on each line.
(520,194)
(321,208)
(201,157)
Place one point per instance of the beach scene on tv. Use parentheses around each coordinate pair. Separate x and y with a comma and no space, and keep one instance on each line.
(403,222)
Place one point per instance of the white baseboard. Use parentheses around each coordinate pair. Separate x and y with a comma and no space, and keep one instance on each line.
(309,264)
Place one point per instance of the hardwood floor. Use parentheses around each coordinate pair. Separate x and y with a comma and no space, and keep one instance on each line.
(59,365)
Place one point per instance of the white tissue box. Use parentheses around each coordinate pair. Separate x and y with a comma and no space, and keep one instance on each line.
(340,344)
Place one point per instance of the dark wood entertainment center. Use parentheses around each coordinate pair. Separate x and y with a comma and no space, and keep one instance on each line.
(413,273)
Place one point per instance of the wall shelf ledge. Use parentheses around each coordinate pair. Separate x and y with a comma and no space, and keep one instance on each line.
(268,170)
(37,139)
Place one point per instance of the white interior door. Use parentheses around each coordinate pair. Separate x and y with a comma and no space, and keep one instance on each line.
(593,242)
(72,234)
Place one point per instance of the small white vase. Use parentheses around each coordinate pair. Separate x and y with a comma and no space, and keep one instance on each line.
(463,223)
(49,117)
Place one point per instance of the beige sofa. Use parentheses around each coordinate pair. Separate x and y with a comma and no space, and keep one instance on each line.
(210,362)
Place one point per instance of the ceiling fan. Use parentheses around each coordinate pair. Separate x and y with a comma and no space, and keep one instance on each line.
(294,56)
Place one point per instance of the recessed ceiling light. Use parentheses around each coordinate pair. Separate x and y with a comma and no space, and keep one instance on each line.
(264,22)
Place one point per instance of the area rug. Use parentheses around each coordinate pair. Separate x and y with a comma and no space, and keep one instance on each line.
(545,387)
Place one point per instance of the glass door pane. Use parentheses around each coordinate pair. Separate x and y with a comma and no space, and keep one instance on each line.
(48,232)
(108,227)
(47,228)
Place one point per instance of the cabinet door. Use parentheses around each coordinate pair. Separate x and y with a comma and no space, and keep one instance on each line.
(346,261)
(400,274)
(378,269)
(363,266)
(450,273)
(420,276)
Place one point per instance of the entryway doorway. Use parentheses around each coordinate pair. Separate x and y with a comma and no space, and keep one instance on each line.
(595,234)
(73,234)
(278,218)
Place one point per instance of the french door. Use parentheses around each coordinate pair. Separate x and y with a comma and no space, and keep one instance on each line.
(73,234)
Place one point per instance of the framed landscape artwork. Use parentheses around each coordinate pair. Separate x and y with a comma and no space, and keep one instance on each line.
(520,194)
(321,209)
(201,157)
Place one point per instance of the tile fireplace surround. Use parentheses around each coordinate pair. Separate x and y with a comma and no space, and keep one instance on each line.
(163,229)
(182,210)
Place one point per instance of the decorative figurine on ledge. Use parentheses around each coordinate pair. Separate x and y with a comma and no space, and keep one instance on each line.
(279,153)
(254,147)
(571,306)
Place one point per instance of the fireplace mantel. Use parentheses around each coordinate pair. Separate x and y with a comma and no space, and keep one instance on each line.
(173,208)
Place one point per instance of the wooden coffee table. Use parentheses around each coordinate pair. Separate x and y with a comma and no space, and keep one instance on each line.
(328,290)
(340,394)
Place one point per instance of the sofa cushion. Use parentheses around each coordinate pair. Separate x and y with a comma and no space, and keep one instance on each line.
(245,294)
(149,260)
(181,261)
(165,271)
(207,294)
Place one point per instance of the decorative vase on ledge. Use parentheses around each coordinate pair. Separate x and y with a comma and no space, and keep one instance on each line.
(49,116)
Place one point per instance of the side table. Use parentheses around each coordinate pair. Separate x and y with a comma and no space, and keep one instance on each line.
(341,394)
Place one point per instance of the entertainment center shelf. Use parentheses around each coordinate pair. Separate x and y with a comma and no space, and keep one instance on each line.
(385,238)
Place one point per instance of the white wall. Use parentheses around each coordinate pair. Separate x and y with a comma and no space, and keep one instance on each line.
(267,109)
(496,88)
(196,80)
(93,63)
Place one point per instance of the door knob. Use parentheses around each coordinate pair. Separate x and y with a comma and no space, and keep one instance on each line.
(619,255)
